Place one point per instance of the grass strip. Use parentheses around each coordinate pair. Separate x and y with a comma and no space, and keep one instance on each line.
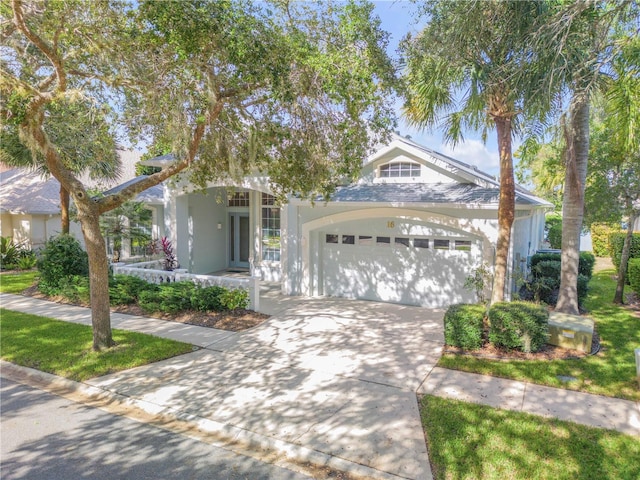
(469,441)
(17,282)
(65,349)
(612,372)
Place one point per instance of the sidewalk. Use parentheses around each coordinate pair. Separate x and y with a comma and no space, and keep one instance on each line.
(314,383)
(585,408)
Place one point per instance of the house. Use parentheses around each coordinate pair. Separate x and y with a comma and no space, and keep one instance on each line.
(30,203)
(410,230)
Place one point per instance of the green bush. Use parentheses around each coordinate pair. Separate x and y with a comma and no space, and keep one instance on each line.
(75,289)
(62,257)
(207,299)
(234,299)
(518,325)
(176,297)
(12,255)
(149,301)
(125,289)
(600,233)
(463,326)
(616,242)
(585,263)
(553,227)
(27,261)
(633,274)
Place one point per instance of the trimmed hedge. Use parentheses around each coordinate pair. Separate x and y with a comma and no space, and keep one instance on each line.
(633,274)
(518,325)
(463,326)
(616,242)
(585,263)
(600,233)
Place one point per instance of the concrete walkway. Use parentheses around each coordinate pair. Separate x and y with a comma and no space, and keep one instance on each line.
(333,381)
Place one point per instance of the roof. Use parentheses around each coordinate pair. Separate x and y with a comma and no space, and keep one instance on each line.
(28,192)
(150,195)
(459,193)
(22,191)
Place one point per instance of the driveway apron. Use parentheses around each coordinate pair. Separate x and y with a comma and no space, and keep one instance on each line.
(332,375)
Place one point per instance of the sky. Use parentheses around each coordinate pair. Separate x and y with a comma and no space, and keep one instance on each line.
(399,17)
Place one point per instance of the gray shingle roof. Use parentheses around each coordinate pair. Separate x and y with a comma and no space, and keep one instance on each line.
(461,193)
(22,191)
(150,195)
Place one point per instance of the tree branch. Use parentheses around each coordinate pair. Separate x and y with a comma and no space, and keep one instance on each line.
(113,201)
(41,44)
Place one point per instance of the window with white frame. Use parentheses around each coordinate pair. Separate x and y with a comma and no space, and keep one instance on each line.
(270,229)
(399,169)
(239,199)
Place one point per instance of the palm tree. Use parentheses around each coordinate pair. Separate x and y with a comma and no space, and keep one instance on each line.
(65,123)
(572,48)
(462,72)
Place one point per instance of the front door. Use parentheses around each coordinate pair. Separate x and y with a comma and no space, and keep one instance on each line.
(239,240)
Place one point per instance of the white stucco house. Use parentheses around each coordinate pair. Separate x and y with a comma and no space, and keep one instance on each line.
(410,230)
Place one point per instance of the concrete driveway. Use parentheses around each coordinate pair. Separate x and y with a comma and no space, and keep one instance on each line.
(323,375)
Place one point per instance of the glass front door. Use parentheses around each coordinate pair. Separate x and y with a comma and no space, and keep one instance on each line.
(239,240)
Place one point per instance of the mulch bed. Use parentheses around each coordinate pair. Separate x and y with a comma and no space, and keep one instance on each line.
(548,352)
(234,321)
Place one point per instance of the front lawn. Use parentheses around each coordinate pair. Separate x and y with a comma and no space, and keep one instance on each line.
(469,441)
(611,372)
(64,348)
(17,282)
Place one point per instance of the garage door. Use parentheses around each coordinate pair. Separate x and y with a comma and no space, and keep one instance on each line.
(425,266)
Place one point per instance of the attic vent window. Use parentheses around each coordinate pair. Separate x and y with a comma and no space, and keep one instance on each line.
(399,169)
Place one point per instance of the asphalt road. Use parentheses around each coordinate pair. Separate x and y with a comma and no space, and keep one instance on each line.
(43,436)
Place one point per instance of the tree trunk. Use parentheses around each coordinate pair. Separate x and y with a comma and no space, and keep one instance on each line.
(98,274)
(624,258)
(64,209)
(576,158)
(506,207)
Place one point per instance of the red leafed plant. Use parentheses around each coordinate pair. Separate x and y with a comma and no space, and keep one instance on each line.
(170,261)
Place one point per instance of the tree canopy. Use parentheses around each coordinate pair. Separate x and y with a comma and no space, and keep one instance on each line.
(297,91)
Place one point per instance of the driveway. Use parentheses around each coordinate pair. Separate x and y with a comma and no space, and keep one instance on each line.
(326,375)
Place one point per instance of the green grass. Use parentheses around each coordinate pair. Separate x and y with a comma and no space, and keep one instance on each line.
(17,282)
(611,372)
(64,348)
(469,441)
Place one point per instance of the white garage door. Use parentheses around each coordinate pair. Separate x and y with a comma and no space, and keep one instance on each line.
(426,266)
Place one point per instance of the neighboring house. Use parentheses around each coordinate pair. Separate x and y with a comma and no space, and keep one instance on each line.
(30,203)
(410,230)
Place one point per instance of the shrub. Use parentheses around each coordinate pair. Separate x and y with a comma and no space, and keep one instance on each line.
(176,297)
(125,289)
(75,288)
(633,274)
(62,257)
(11,254)
(518,325)
(616,242)
(27,261)
(149,301)
(553,230)
(600,238)
(207,298)
(585,262)
(463,326)
(234,299)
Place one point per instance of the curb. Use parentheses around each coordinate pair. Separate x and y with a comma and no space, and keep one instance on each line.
(238,440)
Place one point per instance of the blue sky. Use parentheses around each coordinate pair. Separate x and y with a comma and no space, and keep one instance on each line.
(399,18)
